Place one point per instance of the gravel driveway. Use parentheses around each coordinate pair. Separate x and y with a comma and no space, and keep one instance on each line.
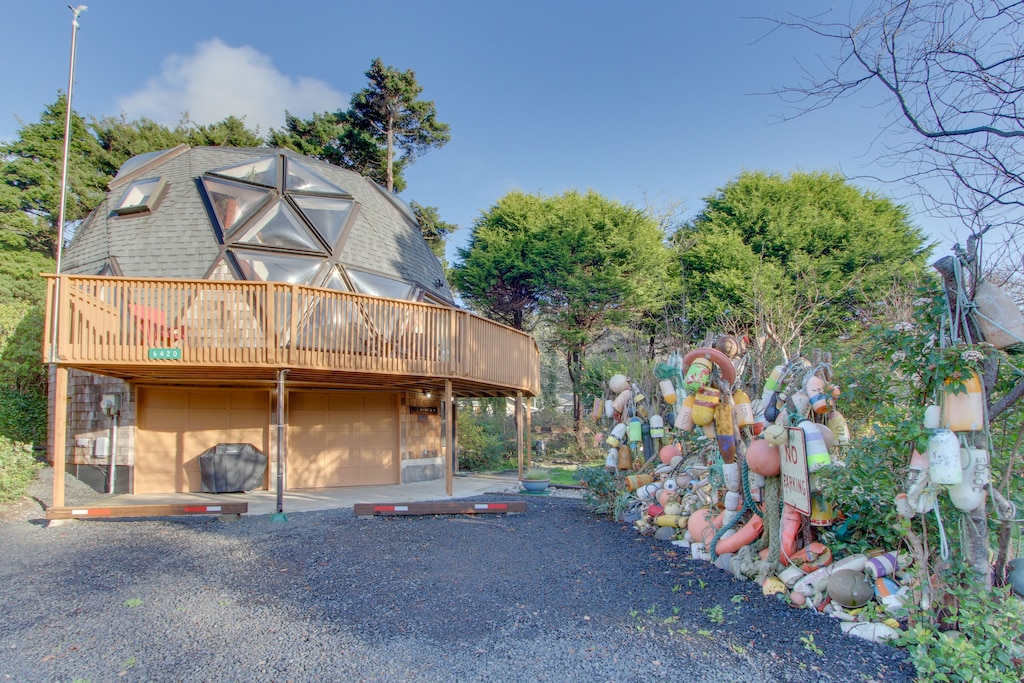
(553,594)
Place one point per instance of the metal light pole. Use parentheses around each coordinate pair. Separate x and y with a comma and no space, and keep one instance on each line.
(64,181)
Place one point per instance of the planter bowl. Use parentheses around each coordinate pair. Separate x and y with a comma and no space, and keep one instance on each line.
(535,484)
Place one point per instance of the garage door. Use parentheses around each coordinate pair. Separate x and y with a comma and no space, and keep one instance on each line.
(341,439)
(176,425)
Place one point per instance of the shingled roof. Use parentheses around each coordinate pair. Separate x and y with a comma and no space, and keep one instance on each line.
(164,217)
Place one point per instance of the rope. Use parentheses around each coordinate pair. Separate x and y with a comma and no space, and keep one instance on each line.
(773,517)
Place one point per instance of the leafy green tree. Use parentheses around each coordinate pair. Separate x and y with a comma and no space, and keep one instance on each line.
(123,139)
(391,112)
(579,262)
(811,240)
(30,179)
(228,132)
(435,231)
(385,128)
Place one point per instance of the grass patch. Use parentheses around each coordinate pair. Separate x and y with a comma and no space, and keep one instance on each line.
(17,469)
(565,475)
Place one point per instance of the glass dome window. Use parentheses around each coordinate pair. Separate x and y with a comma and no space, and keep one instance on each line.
(136,163)
(261,171)
(281,228)
(141,195)
(301,178)
(378,285)
(232,202)
(267,267)
(327,215)
(335,281)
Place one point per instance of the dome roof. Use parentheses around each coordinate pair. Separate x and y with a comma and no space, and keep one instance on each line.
(256,214)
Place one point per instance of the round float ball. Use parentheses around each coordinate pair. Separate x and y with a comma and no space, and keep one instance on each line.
(668,452)
(728,345)
(850,588)
(618,383)
(699,522)
(764,458)
(671,484)
(776,434)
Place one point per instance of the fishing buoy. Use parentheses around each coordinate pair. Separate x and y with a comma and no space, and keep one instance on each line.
(657,423)
(999,320)
(635,481)
(724,432)
(625,461)
(726,370)
(612,459)
(773,383)
(932,417)
(814,387)
(618,383)
(704,404)
(728,345)
(684,418)
(609,409)
(801,403)
(668,453)
(944,458)
(744,411)
(817,453)
(615,438)
(764,458)
(771,407)
(634,431)
(964,411)
(969,494)
(776,435)
(698,374)
(622,400)
(840,429)
(668,392)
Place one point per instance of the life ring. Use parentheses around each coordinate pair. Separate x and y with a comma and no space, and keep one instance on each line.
(745,535)
(725,366)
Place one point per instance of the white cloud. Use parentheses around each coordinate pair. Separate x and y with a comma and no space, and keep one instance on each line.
(218,80)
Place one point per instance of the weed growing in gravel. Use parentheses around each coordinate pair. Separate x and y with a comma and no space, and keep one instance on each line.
(738,649)
(133,602)
(810,645)
(715,614)
(676,588)
(704,632)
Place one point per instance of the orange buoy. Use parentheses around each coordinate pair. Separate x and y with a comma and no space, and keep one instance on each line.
(763,458)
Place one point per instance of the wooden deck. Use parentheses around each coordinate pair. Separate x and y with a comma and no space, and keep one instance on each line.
(208,331)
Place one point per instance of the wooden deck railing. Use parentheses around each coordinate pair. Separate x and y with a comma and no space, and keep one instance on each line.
(113,321)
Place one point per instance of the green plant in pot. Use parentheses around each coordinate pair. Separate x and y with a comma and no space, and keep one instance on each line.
(536,479)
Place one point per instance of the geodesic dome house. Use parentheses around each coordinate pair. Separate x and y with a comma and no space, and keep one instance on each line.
(217,288)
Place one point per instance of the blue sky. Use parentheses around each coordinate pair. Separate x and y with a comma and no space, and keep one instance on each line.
(654,101)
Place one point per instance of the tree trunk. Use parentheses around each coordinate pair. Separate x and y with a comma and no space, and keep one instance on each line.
(574,364)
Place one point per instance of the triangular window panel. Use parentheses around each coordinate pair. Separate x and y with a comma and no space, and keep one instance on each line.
(378,285)
(281,228)
(221,271)
(266,267)
(261,171)
(335,281)
(232,202)
(327,215)
(303,179)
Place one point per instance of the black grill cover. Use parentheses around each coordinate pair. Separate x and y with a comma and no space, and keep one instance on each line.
(230,467)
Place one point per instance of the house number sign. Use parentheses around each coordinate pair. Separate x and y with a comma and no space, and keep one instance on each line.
(165,354)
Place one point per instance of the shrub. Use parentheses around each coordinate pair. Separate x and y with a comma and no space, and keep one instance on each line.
(976,638)
(17,469)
